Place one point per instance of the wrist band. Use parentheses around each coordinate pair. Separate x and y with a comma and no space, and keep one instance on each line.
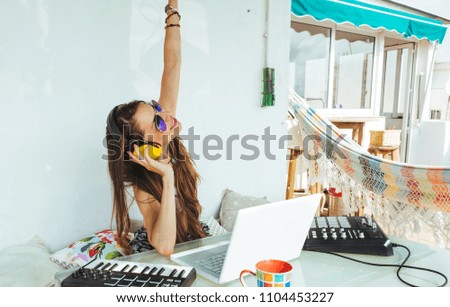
(172,25)
(173,13)
(169,8)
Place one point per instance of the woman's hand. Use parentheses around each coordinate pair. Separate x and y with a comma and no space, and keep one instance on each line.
(165,170)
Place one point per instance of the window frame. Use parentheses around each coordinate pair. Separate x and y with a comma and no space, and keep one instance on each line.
(372,66)
(329,53)
(395,114)
(377,66)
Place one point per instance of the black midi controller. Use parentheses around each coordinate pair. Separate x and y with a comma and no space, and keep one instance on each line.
(348,234)
(114,273)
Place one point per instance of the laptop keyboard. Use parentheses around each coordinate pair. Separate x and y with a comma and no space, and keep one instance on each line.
(213,263)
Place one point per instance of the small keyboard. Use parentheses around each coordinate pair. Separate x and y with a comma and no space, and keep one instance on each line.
(213,263)
(114,273)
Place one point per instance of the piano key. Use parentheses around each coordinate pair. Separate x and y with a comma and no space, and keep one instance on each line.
(137,284)
(119,266)
(181,275)
(173,272)
(107,265)
(98,266)
(161,270)
(123,283)
(166,272)
(145,269)
(111,284)
(143,279)
(133,268)
(117,276)
(151,285)
(136,268)
(125,268)
(156,279)
(153,270)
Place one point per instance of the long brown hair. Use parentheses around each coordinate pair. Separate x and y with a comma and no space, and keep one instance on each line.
(125,173)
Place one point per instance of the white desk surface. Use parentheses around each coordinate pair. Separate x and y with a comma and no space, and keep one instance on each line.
(313,269)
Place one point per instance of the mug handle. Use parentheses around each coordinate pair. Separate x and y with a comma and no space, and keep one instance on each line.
(241,276)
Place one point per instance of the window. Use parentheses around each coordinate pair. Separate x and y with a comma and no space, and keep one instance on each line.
(309,61)
(398,59)
(310,56)
(353,70)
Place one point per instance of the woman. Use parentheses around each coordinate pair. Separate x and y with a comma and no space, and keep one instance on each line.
(164,189)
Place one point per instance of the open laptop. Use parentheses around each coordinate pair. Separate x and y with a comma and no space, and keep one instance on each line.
(272,231)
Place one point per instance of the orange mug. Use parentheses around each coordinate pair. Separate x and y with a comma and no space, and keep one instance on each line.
(270,273)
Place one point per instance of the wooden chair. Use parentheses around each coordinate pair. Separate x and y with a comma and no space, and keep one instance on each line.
(385,151)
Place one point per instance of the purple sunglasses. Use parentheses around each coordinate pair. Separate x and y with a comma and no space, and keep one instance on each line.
(159,121)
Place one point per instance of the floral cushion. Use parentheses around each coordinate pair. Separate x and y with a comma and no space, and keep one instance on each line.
(102,245)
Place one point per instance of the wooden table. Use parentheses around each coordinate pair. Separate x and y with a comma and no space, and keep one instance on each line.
(357,129)
(357,124)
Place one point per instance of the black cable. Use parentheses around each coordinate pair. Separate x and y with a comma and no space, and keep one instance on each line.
(399,266)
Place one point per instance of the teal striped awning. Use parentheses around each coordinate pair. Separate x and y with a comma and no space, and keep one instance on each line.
(359,13)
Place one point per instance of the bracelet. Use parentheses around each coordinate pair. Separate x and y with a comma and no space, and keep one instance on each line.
(173,13)
(169,8)
(172,25)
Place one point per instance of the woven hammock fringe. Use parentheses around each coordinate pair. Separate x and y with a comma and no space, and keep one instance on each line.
(424,225)
(369,187)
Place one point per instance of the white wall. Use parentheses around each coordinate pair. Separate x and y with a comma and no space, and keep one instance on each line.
(65,63)
(439,96)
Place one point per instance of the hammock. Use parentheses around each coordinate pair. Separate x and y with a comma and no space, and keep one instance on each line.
(408,201)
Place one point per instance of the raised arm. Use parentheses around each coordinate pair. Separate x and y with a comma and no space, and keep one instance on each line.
(172,59)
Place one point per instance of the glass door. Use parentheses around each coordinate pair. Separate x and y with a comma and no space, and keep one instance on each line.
(398,88)
(397,85)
